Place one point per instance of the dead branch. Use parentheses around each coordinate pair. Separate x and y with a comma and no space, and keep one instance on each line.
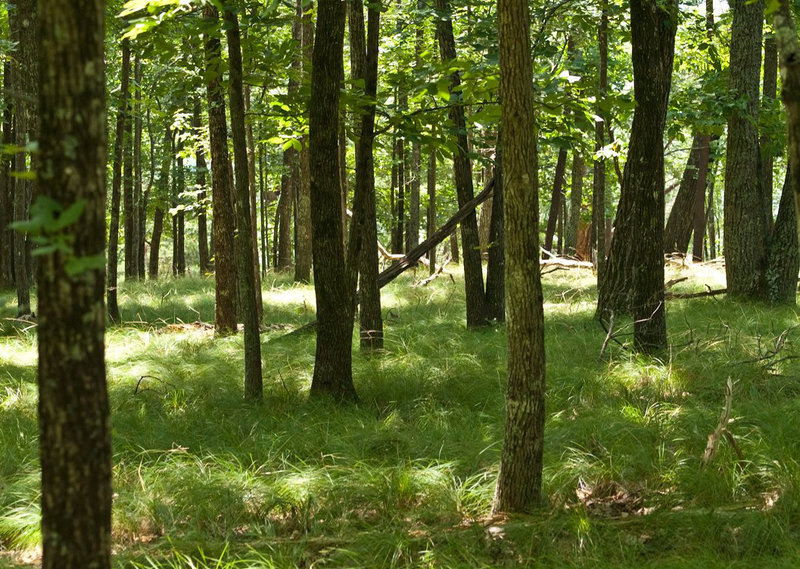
(685,295)
(609,335)
(436,274)
(722,427)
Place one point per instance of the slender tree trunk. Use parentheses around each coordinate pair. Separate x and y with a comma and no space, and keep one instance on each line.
(303,247)
(128,202)
(519,484)
(116,185)
(142,215)
(599,168)
(74,426)
(400,221)
(634,282)
(253,193)
(364,66)
(681,221)
(454,248)
(332,365)
(495,271)
(575,203)
(250,295)
(223,228)
(283,214)
(746,235)
(202,223)
(180,218)
(432,205)
(769,92)
(158,214)
(556,199)
(477,312)
(6,182)
(137,240)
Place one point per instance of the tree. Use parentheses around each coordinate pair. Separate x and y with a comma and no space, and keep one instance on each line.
(116,183)
(477,313)
(333,375)
(75,433)
(364,58)
(746,231)
(634,275)
(302,175)
(519,483)
(249,295)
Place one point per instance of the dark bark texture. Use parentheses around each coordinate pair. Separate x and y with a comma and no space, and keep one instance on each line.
(634,278)
(746,232)
(74,427)
(333,376)
(477,313)
(223,228)
(681,221)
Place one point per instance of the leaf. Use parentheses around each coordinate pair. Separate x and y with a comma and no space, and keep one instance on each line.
(69,215)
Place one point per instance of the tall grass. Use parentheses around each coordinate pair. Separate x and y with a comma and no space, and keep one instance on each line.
(406,477)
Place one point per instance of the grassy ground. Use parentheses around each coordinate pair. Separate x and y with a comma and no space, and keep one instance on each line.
(405,479)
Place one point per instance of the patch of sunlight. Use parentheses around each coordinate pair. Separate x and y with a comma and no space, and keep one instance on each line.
(13,350)
(293,296)
(639,376)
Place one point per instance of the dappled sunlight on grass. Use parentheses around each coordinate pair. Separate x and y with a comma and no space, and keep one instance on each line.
(406,477)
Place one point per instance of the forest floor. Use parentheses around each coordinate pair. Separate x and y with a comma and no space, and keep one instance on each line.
(405,478)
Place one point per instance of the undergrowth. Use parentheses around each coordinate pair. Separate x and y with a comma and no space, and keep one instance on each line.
(405,478)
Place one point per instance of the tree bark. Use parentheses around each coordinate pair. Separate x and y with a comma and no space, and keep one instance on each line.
(303,247)
(250,296)
(364,66)
(6,182)
(519,483)
(784,255)
(598,238)
(128,183)
(556,199)
(496,266)
(745,229)
(74,426)
(116,185)
(477,313)
(634,279)
(681,221)
(575,205)
(769,92)
(332,364)
(223,228)
(202,221)
(432,205)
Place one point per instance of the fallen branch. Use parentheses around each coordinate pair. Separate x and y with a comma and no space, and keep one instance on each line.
(609,335)
(684,295)
(435,275)
(722,428)
(565,263)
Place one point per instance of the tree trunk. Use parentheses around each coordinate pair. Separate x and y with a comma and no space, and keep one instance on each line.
(496,267)
(556,200)
(163,186)
(6,182)
(253,193)
(477,313)
(181,217)
(575,205)
(745,230)
(680,223)
(400,202)
(250,296)
(432,205)
(634,279)
(789,52)
(223,229)
(519,483)
(784,256)
(364,66)
(303,247)
(116,184)
(283,214)
(454,248)
(202,222)
(769,92)
(74,426)
(142,213)
(333,374)
(598,238)
(129,184)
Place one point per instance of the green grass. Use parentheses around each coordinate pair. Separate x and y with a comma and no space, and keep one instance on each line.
(405,478)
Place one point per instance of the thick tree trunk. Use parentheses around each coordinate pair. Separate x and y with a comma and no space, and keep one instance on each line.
(74,426)
(223,229)
(519,484)
(634,279)
(116,184)
(250,296)
(556,200)
(333,374)
(784,255)
(477,313)
(746,232)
